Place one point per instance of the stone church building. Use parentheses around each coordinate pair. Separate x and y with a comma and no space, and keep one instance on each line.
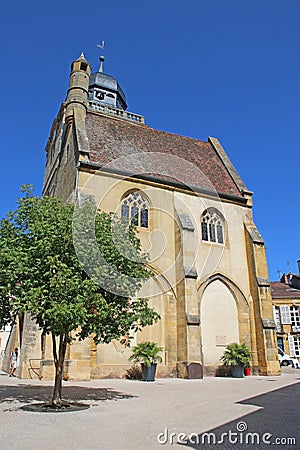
(193,214)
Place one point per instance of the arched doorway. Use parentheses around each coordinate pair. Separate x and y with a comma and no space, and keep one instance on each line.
(219,322)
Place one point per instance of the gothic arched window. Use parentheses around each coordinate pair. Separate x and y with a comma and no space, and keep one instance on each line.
(212,226)
(135,208)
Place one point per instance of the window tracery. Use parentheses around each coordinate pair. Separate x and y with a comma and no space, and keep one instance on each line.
(135,208)
(212,227)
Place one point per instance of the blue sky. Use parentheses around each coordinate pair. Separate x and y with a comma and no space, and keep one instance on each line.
(223,68)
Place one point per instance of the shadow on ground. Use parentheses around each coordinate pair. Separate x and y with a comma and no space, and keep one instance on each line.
(29,393)
(276,423)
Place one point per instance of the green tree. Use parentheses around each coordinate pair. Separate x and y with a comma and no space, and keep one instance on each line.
(71,290)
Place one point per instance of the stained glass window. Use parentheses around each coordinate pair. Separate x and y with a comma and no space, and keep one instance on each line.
(212,227)
(135,208)
(212,232)
(204,230)
(220,236)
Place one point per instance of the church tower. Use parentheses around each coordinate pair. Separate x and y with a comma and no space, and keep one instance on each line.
(68,143)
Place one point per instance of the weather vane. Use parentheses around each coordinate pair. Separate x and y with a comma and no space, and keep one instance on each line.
(102,59)
(101,45)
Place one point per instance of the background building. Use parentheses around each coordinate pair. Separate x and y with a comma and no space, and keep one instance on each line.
(286,304)
(193,215)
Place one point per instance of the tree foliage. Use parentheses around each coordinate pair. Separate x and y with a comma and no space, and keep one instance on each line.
(40,272)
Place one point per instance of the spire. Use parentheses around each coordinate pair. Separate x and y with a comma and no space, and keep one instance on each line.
(81,57)
(102,59)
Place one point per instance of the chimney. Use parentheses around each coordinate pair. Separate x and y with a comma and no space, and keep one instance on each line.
(283,279)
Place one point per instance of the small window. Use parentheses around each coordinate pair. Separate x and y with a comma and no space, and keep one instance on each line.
(100,95)
(280,344)
(296,342)
(212,232)
(276,315)
(204,230)
(295,318)
(220,236)
(212,226)
(135,208)
(125,211)
(144,217)
(83,66)
(285,314)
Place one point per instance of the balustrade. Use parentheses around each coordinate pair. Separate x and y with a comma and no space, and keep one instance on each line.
(105,109)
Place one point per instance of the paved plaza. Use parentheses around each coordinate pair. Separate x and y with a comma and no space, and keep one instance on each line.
(135,415)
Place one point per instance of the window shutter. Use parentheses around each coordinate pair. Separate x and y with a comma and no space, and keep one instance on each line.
(285,314)
(292,346)
(276,318)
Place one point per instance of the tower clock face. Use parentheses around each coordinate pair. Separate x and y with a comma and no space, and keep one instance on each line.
(100,95)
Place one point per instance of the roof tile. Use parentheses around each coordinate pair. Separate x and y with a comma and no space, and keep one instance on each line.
(111,139)
(282,290)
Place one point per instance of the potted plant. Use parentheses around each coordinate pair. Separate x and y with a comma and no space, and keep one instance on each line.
(146,353)
(237,356)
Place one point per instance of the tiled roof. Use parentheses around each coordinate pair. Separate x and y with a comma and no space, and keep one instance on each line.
(282,290)
(111,139)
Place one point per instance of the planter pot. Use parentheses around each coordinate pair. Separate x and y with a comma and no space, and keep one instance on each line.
(247,371)
(238,371)
(148,372)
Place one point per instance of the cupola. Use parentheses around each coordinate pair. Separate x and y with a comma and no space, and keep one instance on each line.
(105,89)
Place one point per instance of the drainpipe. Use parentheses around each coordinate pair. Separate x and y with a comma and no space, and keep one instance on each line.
(76,182)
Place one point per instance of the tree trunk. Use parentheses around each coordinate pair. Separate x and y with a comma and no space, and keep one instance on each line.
(59,365)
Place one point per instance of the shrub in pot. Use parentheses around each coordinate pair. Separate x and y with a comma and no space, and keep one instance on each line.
(147,354)
(237,356)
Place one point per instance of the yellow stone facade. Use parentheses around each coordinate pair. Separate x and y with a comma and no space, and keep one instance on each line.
(208,294)
(286,312)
